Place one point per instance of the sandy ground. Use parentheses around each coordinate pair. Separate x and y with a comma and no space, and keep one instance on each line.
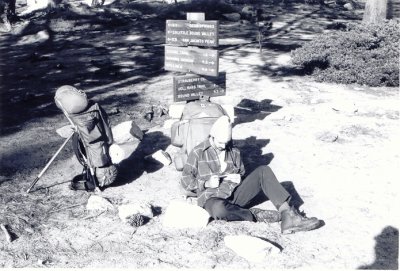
(335,145)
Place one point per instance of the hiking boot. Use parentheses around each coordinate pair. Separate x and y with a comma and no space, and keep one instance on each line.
(266,216)
(293,222)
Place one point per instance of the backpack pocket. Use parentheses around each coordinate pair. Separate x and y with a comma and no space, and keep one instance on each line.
(178,133)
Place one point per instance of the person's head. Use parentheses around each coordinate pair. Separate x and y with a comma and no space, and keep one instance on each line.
(221,132)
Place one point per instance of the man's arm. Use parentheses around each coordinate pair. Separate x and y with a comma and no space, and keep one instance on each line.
(189,180)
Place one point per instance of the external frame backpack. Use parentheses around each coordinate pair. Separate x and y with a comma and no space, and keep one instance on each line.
(92,141)
(92,138)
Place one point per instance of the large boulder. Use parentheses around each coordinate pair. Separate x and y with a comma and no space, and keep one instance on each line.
(181,215)
(120,152)
(251,248)
(126,131)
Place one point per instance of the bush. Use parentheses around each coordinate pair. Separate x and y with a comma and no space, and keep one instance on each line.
(363,54)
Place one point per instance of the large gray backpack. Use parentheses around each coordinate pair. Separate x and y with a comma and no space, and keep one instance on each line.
(193,127)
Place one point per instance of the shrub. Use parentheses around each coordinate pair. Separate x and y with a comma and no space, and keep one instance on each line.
(360,53)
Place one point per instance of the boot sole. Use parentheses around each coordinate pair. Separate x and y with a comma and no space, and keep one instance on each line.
(309,227)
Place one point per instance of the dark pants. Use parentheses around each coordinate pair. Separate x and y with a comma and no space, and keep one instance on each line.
(261,185)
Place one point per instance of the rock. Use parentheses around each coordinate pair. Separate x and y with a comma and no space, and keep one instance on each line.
(284,60)
(159,156)
(97,203)
(180,215)
(40,36)
(160,110)
(251,248)
(148,113)
(126,131)
(248,12)
(36,4)
(348,6)
(65,131)
(328,136)
(120,152)
(234,17)
(125,212)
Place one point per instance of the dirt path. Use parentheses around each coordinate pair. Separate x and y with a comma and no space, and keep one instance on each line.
(333,144)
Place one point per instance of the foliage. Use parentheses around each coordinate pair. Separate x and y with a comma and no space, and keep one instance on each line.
(361,53)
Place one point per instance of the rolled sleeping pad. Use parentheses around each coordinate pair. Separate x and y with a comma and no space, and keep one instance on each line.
(71,99)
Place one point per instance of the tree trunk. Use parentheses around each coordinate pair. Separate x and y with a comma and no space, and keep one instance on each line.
(375,11)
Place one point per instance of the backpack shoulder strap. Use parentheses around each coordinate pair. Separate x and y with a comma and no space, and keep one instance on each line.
(106,124)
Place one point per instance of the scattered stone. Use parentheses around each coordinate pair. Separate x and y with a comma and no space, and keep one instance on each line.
(40,36)
(125,212)
(251,248)
(181,215)
(234,17)
(97,203)
(283,60)
(159,156)
(65,131)
(348,6)
(160,110)
(328,137)
(248,12)
(114,111)
(6,27)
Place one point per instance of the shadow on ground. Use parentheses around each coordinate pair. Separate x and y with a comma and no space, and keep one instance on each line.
(104,50)
(135,165)
(386,251)
(248,110)
(87,48)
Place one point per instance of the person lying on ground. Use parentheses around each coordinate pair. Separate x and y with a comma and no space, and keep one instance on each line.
(214,171)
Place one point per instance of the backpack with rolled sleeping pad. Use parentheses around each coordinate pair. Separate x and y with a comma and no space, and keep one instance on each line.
(193,127)
(92,138)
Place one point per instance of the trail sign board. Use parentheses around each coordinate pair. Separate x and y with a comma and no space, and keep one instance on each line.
(191,59)
(197,33)
(192,86)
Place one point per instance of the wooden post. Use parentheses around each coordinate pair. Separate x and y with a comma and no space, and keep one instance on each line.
(188,51)
(195,16)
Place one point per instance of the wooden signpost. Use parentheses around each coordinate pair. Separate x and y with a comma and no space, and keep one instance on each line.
(181,55)
(195,33)
(191,59)
(192,86)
